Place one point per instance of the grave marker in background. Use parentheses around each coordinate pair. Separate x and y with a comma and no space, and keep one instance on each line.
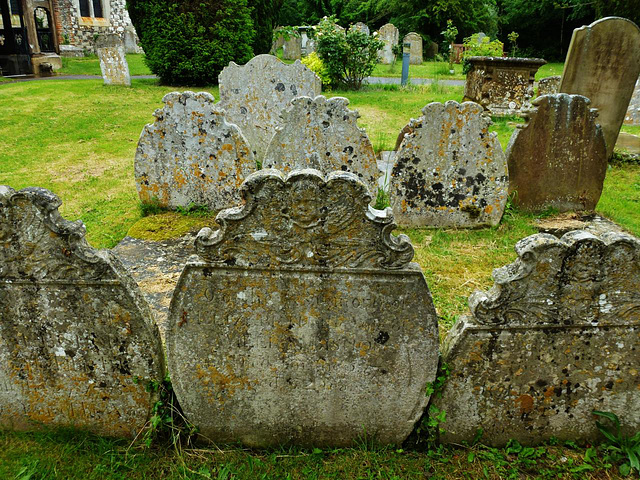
(389,34)
(416,48)
(113,62)
(633,112)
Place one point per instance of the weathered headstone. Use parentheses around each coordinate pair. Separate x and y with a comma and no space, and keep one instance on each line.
(556,337)
(191,155)
(361,27)
(633,112)
(303,319)
(603,64)
(77,342)
(389,35)
(254,95)
(113,62)
(549,85)
(558,158)
(449,171)
(292,48)
(324,135)
(415,40)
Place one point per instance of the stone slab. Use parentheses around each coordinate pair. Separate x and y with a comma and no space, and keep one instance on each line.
(113,62)
(389,35)
(191,155)
(292,48)
(77,342)
(254,95)
(303,320)
(557,337)
(449,170)
(361,27)
(558,157)
(603,64)
(549,85)
(632,116)
(323,134)
(415,40)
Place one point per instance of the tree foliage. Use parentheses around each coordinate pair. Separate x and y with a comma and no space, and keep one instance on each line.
(265,18)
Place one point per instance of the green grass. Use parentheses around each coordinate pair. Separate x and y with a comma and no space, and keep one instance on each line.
(549,70)
(91,65)
(632,129)
(431,69)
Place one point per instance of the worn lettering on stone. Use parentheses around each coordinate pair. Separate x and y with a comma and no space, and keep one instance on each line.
(191,154)
(449,170)
(303,320)
(113,62)
(77,342)
(323,134)
(557,337)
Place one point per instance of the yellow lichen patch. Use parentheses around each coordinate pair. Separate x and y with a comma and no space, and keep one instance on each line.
(169,225)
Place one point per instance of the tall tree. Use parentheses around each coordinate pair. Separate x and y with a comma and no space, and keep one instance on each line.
(265,18)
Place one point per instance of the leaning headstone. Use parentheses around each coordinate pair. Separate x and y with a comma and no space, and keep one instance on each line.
(292,48)
(415,40)
(449,170)
(549,85)
(302,319)
(78,346)
(554,339)
(389,35)
(361,27)
(113,62)
(254,95)
(191,155)
(558,158)
(324,135)
(603,64)
(633,112)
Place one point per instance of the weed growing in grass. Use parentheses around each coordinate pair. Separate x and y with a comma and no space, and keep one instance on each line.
(194,210)
(382,200)
(619,448)
(151,208)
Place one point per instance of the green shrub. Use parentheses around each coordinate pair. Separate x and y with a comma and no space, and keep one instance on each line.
(349,58)
(476,47)
(315,64)
(191,41)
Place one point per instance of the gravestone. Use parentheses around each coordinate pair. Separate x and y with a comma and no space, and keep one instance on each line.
(389,35)
(549,85)
(113,62)
(361,27)
(254,95)
(415,40)
(324,135)
(303,320)
(633,112)
(603,64)
(555,338)
(130,39)
(191,155)
(78,346)
(449,171)
(558,157)
(292,48)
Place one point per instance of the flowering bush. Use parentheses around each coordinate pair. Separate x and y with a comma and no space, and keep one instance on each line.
(315,64)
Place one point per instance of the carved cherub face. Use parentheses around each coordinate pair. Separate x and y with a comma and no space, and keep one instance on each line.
(305,204)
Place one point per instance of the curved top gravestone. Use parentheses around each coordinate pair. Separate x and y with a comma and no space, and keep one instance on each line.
(302,319)
(449,171)
(322,134)
(389,35)
(254,95)
(78,346)
(558,158)
(191,155)
(603,64)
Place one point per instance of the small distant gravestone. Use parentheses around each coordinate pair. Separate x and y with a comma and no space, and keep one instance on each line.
(361,27)
(415,40)
(113,63)
(449,170)
(191,155)
(322,134)
(558,158)
(549,85)
(292,48)
(554,339)
(633,112)
(303,319)
(389,35)
(603,64)
(254,95)
(78,346)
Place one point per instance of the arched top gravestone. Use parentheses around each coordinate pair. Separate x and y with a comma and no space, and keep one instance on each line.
(191,155)
(254,95)
(303,320)
(450,170)
(78,346)
(415,40)
(555,338)
(389,35)
(323,134)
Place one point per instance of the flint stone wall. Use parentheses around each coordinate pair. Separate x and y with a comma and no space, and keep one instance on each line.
(324,135)
(633,112)
(557,337)
(389,35)
(603,64)
(254,95)
(77,342)
(504,86)
(303,319)
(549,85)
(558,158)
(415,40)
(113,62)
(449,171)
(191,155)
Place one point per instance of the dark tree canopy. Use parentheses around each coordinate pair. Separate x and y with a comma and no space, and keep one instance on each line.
(265,16)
